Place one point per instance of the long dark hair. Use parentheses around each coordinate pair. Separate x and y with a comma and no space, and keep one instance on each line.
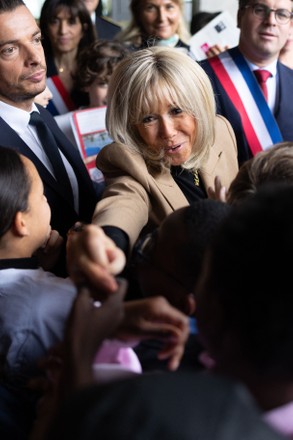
(15,186)
(76,8)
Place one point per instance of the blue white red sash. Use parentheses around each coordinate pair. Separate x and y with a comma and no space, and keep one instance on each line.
(61,102)
(260,127)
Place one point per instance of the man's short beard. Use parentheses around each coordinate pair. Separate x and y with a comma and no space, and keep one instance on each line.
(24,97)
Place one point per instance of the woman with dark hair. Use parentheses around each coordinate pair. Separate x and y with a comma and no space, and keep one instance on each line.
(66,28)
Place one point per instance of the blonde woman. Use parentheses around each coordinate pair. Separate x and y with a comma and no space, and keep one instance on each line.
(156,22)
(168,147)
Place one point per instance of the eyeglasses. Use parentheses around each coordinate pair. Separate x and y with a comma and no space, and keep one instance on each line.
(176,291)
(143,252)
(283,16)
(145,246)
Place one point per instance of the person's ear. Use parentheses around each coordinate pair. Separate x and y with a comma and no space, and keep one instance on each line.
(20,224)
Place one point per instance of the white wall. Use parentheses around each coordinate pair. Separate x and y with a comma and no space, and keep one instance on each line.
(34,6)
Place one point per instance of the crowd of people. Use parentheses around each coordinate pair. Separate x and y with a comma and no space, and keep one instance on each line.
(157,303)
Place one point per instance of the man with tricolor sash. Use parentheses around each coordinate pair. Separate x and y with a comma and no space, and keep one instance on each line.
(261,113)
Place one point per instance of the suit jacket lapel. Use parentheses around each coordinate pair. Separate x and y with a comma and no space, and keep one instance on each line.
(70,152)
(170,190)
(10,139)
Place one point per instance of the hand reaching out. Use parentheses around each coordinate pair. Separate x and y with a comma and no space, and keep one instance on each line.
(69,364)
(49,253)
(216,49)
(155,318)
(93,258)
(219,192)
(87,327)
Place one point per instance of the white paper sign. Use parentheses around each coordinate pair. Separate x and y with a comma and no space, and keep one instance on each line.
(222,30)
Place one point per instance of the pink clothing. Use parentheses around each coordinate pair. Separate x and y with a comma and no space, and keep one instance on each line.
(281,419)
(114,352)
(206,360)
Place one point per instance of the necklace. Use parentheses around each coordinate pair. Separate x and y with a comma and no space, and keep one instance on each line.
(196,178)
(60,68)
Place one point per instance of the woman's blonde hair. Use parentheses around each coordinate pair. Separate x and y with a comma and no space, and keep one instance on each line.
(134,32)
(150,76)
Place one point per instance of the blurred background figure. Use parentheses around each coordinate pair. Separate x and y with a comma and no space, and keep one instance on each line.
(105,29)
(286,54)
(160,22)
(95,65)
(44,97)
(66,28)
(161,406)
(244,301)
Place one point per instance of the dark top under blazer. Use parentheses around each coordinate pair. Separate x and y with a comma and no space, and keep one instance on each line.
(63,213)
(105,29)
(283,112)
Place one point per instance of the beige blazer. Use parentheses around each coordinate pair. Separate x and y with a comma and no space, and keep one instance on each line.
(134,198)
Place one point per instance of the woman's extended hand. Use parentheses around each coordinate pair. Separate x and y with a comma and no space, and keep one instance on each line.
(93,258)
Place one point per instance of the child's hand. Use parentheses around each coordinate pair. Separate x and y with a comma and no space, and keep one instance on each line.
(155,318)
(49,253)
(218,192)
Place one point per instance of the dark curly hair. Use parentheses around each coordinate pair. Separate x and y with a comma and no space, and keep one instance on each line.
(98,59)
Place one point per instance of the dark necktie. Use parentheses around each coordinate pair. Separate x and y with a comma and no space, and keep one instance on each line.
(262,76)
(51,149)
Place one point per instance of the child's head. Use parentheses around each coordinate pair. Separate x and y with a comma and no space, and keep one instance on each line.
(269,166)
(244,297)
(169,260)
(95,66)
(25,213)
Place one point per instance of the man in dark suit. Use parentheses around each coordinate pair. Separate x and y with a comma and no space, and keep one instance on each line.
(257,122)
(105,29)
(22,77)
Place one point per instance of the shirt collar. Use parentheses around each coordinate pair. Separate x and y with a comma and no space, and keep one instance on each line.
(270,67)
(93,17)
(15,117)
(19,263)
